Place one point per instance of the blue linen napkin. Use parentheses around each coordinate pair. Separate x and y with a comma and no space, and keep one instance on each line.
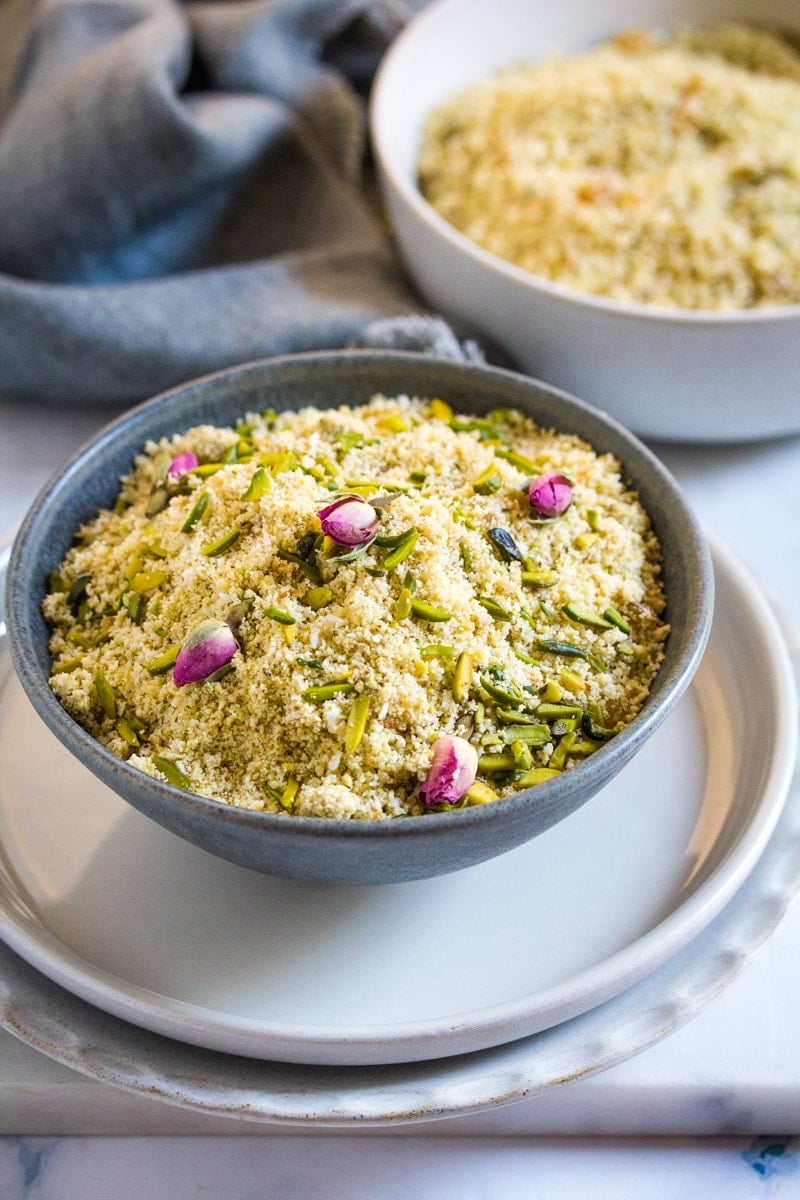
(180,190)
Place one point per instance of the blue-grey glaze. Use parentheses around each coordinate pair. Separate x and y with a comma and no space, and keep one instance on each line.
(351,852)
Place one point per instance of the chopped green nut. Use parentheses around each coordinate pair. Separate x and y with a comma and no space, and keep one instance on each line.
(127,732)
(567,649)
(164,661)
(148,581)
(259,485)
(313,663)
(488,482)
(316,598)
(538,775)
(222,543)
(206,469)
(462,677)
(427,612)
(481,793)
(157,502)
(583,616)
(616,618)
(277,614)
(436,651)
(559,756)
(172,772)
(523,657)
(356,723)
(594,729)
(403,607)
(135,603)
(77,591)
(551,712)
(286,798)
(106,696)
(401,550)
(494,609)
(492,763)
(523,758)
(526,465)
(466,557)
(327,691)
(532,735)
(69,664)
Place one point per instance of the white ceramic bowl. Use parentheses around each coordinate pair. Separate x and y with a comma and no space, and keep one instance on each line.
(676,375)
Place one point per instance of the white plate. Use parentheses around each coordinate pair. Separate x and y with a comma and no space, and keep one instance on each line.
(158,932)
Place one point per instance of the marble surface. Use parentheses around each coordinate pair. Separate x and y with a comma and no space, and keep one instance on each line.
(734,1069)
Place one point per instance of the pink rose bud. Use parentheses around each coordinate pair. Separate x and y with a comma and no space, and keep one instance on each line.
(180,466)
(452,773)
(206,649)
(349,521)
(549,496)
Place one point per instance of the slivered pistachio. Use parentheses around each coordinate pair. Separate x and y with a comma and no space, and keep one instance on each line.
(389,541)
(76,638)
(538,775)
(594,730)
(597,664)
(308,567)
(69,664)
(56,583)
(593,518)
(551,646)
(156,502)
(551,712)
(584,616)
(286,798)
(356,723)
(559,756)
(402,550)
(351,555)
(222,544)
(584,540)
(625,649)
(552,692)
(436,651)
(397,424)
(486,431)
(513,716)
(164,661)
(523,657)
(127,732)
(505,545)
(259,485)
(289,633)
(327,691)
(135,603)
(418,476)
(523,758)
(285,462)
(207,469)
(466,557)
(616,618)
(532,735)
(375,572)
(537,578)
(77,591)
(546,610)
(571,680)
(199,507)
(509,695)
(462,677)
(403,607)
(488,482)
(481,793)
(148,581)
(155,550)
(237,613)
(106,695)
(564,725)
(317,598)
(427,612)
(583,749)
(278,614)
(409,581)
(172,772)
(526,465)
(312,663)
(494,609)
(492,763)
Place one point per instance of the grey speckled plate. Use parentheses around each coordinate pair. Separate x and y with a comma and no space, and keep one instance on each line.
(109,1049)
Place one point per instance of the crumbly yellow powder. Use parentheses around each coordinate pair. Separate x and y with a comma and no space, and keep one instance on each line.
(659,172)
(243,738)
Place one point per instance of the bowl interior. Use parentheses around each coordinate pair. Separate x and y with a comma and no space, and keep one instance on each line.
(327,380)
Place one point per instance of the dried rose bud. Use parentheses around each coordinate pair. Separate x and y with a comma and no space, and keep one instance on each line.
(349,521)
(549,496)
(206,649)
(452,773)
(179,466)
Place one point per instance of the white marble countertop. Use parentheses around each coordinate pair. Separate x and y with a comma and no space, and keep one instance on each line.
(735,1069)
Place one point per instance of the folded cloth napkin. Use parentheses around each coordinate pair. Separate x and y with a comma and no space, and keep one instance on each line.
(180,190)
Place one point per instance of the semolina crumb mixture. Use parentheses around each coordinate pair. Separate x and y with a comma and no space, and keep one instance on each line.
(534,639)
(652,171)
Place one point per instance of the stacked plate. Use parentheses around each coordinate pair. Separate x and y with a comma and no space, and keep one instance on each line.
(148,963)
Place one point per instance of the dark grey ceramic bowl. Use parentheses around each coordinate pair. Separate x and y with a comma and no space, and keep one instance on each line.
(310,847)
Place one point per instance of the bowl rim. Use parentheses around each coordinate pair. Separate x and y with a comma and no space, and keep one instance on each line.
(21,636)
(408,191)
